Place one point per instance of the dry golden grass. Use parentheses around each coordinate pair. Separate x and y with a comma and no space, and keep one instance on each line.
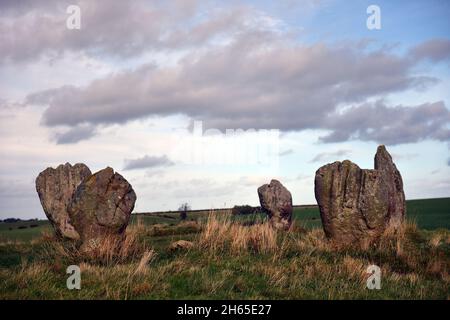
(396,238)
(440,237)
(436,239)
(354,268)
(108,251)
(220,234)
(112,250)
(147,257)
(138,228)
(314,240)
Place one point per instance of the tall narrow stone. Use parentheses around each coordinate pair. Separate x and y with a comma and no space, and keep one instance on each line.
(393,179)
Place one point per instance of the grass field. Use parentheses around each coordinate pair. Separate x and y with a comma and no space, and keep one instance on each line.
(232,258)
(23,231)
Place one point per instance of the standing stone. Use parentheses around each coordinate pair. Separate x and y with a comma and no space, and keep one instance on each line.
(356,204)
(55,188)
(276,201)
(352,201)
(393,179)
(101,207)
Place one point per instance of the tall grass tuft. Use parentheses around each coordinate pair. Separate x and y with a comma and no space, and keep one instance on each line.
(221,234)
(147,257)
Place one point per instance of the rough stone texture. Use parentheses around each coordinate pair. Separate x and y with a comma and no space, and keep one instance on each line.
(356,204)
(55,188)
(393,179)
(276,201)
(181,245)
(101,207)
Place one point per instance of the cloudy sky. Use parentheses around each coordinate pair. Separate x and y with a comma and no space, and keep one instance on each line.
(203,101)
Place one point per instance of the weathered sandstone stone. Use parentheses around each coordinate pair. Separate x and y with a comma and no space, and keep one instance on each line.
(101,207)
(276,201)
(55,188)
(356,204)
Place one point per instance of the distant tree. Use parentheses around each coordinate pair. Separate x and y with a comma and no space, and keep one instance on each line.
(183,209)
